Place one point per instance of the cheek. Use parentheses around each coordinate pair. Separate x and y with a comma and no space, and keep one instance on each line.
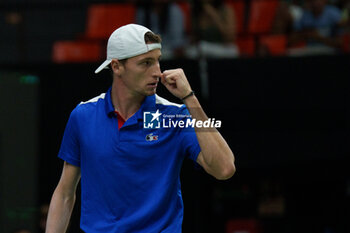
(136,76)
(131,76)
(140,78)
(136,80)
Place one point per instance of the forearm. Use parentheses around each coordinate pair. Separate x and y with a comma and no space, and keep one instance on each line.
(60,211)
(216,154)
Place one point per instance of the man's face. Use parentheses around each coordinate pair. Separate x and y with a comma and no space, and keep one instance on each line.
(141,74)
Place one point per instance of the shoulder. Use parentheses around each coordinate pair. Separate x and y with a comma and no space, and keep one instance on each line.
(90,105)
(94,100)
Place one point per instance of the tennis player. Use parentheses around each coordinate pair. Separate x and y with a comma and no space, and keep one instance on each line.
(130,170)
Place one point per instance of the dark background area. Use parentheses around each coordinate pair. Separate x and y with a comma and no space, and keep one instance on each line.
(286,120)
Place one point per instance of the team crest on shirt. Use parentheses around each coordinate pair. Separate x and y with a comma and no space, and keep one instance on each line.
(150,137)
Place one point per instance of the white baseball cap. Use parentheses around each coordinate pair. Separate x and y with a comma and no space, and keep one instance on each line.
(125,42)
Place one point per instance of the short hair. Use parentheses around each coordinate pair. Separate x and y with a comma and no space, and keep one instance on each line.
(150,37)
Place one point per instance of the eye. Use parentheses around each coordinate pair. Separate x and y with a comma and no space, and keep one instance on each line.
(146,63)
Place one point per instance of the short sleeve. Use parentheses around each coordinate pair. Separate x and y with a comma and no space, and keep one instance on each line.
(189,140)
(70,148)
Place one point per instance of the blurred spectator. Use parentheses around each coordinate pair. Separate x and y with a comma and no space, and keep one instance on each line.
(214,29)
(319,27)
(166,18)
(287,13)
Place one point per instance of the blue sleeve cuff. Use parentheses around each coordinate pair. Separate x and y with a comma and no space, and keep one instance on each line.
(69,160)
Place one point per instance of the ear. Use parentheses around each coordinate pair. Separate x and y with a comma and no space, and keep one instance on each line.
(116,66)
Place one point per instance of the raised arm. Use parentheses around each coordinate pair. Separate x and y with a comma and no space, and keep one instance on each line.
(216,156)
(63,200)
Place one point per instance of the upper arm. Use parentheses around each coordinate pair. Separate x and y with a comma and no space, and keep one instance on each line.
(69,179)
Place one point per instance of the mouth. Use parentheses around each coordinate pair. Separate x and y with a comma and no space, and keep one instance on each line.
(152,85)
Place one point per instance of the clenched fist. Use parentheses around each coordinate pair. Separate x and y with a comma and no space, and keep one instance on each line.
(176,82)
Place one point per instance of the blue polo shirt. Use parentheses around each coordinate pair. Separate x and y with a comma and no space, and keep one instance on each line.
(130,178)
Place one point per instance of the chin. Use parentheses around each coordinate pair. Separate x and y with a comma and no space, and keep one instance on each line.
(150,92)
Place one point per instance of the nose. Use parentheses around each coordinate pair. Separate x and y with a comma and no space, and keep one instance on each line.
(156,70)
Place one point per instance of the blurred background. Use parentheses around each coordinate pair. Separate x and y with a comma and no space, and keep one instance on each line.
(276,72)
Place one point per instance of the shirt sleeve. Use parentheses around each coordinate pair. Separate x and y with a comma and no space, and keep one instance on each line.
(70,148)
(189,140)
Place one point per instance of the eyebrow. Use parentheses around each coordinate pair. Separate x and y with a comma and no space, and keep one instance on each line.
(150,58)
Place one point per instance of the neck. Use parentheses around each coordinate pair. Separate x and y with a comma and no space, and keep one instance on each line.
(125,102)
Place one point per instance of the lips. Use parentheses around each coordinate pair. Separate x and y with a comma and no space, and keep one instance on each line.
(153,84)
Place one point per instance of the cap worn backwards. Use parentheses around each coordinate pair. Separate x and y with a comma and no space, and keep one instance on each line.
(126,42)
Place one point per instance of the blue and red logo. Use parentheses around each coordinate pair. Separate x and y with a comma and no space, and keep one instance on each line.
(150,137)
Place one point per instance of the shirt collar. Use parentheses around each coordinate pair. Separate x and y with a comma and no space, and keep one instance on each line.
(108,103)
(149,104)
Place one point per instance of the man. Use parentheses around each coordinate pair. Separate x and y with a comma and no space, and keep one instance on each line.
(319,26)
(129,173)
